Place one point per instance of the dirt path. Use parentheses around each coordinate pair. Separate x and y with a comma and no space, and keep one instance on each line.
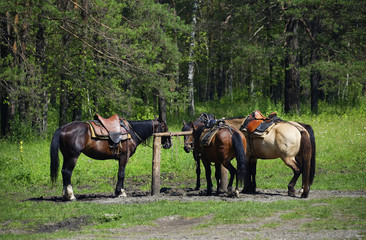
(190,195)
(178,227)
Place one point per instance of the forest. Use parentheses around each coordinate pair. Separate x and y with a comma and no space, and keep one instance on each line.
(64,60)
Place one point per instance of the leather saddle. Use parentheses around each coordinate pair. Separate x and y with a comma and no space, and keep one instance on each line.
(210,131)
(258,122)
(113,128)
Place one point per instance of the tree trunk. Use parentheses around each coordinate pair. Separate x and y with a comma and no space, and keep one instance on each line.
(40,56)
(191,109)
(64,103)
(221,81)
(162,108)
(292,74)
(315,76)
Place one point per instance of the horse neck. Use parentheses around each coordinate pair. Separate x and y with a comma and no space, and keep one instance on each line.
(144,129)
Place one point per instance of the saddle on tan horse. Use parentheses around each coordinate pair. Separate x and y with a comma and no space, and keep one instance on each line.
(113,128)
(258,122)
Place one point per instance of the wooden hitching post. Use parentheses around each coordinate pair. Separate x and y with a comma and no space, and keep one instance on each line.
(155,182)
(224,179)
(155,185)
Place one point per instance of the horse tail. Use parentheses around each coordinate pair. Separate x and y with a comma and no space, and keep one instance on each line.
(304,156)
(55,162)
(313,151)
(240,156)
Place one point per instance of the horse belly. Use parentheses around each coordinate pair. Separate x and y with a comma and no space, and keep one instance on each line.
(265,149)
(100,150)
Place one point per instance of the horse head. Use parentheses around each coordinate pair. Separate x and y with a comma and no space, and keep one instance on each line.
(188,140)
(160,127)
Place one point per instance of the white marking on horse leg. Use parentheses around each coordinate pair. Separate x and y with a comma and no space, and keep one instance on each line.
(236,193)
(68,193)
(123,193)
(301,190)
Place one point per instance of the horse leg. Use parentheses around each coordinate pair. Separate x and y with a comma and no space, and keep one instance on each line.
(120,191)
(250,184)
(252,173)
(207,166)
(67,168)
(290,161)
(232,171)
(305,180)
(198,170)
(218,176)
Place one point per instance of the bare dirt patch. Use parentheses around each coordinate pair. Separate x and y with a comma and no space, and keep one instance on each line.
(190,195)
(178,227)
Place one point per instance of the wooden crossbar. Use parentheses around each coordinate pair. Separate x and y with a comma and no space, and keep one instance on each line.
(167,134)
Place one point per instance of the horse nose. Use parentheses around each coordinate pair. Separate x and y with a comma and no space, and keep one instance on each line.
(187,149)
(167,145)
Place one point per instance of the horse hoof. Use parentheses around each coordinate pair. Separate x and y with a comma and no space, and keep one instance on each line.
(236,192)
(248,191)
(69,198)
(291,193)
(304,195)
(121,194)
(68,193)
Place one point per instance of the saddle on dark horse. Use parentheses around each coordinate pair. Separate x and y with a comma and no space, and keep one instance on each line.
(258,123)
(114,129)
(211,128)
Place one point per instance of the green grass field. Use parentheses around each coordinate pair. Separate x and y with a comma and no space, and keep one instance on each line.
(24,174)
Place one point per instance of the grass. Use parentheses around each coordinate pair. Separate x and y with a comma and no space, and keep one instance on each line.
(24,174)
(28,216)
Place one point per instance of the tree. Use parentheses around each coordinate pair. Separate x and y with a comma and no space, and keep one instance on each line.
(191,61)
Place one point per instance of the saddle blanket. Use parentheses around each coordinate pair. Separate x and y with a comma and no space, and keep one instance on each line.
(99,132)
(209,133)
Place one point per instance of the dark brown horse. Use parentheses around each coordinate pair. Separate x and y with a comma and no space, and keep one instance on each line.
(226,144)
(202,120)
(75,138)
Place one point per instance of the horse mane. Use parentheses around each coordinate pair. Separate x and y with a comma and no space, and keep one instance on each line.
(143,128)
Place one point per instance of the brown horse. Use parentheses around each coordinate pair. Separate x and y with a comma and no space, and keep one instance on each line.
(76,138)
(226,144)
(293,142)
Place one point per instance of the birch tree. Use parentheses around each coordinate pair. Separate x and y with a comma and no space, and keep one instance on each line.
(191,109)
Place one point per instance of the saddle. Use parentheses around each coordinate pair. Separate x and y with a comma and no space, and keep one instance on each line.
(113,128)
(258,123)
(210,131)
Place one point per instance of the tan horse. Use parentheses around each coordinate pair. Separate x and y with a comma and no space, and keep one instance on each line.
(293,142)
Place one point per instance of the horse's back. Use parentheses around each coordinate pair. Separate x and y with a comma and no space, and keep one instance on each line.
(282,140)
(221,147)
(75,135)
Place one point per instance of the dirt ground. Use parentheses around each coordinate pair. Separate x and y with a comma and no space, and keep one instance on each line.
(178,227)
